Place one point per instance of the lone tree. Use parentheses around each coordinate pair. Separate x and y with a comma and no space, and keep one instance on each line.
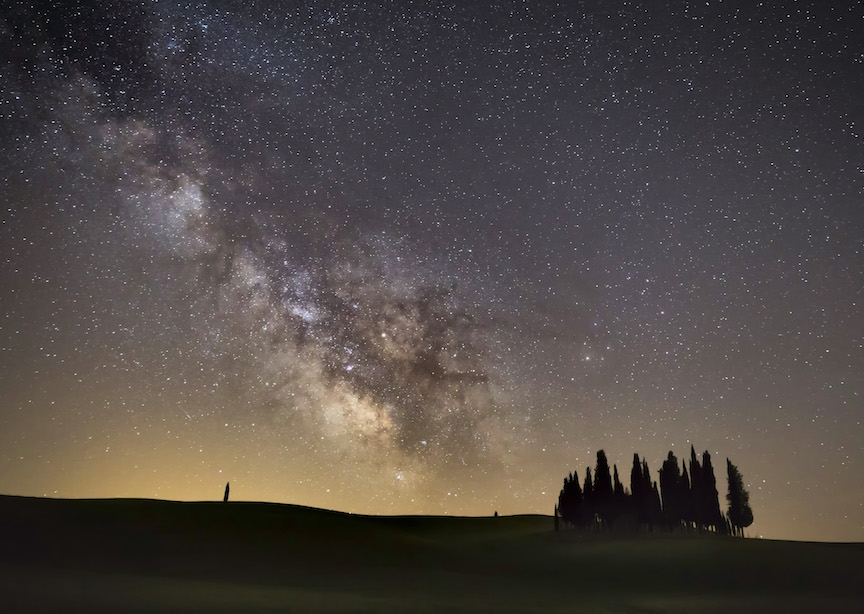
(227,488)
(740,514)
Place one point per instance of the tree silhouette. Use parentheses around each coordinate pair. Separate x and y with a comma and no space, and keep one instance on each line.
(637,494)
(710,498)
(619,504)
(740,515)
(686,498)
(617,487)
(679,498)
(671,491)
(697,496)
(570,501)
(636,486)
(642,500)
(603,489)
(655,510)
(652,513)
(588,503)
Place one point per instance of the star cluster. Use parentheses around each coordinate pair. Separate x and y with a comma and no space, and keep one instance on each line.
(411,257)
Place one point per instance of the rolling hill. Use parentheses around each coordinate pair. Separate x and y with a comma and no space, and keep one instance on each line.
(140,555)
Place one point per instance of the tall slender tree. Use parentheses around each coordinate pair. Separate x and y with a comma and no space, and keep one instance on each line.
(696,491)
(710,497)
(617,486)
(588,503)
(655,511)
(686,497)
(603,489)
(670,489)
(619,496)
(650,503)
(636,478)
(640,486)
(646,476)
(740,514)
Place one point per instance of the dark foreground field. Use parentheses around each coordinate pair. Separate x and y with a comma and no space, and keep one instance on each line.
(154,556)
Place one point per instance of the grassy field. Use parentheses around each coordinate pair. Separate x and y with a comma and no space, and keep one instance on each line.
(159,556)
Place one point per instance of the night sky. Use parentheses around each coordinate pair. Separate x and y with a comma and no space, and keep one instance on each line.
(429,257)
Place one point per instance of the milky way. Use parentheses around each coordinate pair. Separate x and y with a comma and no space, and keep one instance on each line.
(407,259)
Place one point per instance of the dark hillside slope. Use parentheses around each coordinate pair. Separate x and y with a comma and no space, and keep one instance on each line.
(145,555)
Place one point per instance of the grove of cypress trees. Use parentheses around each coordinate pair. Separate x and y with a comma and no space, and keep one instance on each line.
(689,498)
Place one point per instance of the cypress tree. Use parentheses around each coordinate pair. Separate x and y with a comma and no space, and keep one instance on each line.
(640,486)
(646,504)
(636,478)
(697,496)
(645,497)
(603,488)
(588,503)
(670,489)
(617,487)
(655,511)
(740,513)
(570,501)
(646,476)
(562,502)
(686,497)
(619,496)
(710,497)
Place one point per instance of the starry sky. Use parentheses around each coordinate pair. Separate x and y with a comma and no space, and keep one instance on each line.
(428,257)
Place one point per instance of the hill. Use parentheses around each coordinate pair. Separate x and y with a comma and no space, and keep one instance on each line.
(150,556)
